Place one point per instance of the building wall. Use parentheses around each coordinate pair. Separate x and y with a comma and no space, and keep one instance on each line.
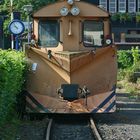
(125,33)
(98,2)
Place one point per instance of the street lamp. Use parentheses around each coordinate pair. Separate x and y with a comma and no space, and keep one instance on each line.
(28,9)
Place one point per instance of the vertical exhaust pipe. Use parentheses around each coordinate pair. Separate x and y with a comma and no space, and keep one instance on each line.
(70,28)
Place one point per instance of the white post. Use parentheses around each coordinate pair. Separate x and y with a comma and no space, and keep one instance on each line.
(12,37)
(29,28)
(28,9)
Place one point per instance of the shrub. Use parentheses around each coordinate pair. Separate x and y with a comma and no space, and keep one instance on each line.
(125,17)
(130,76)
(12,66)
(138,17)
(125,59)
(115,17)
(136,55)
(130,73)
(128,63)
(121,74)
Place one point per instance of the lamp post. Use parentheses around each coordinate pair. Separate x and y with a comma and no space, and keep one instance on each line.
(12,36)
(3,17)
(1,32)
(28,9)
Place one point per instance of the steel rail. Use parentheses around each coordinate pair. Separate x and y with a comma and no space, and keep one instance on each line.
(94,130)
(48,133)
(92,126)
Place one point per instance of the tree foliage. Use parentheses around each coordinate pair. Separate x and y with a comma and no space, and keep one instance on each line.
(5,8)
(18,4)
(125,59)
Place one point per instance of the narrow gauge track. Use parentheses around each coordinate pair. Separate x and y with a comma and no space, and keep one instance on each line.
(72,130)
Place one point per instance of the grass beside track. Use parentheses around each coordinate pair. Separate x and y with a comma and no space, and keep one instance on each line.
(9,130)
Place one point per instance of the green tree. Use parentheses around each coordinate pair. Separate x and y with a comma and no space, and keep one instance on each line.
(5,8)
(136,55)
(18,4)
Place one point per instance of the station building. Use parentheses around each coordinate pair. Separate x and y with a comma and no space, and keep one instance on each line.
(125,18)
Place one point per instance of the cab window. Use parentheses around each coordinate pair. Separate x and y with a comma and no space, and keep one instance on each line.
(92,33)
(48,33)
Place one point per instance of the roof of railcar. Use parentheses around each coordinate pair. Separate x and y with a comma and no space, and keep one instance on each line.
(86,10)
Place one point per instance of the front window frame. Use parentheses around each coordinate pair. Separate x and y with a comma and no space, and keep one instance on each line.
(48,20)
(93,46)
(122,9)
(131,9)
(112,6)
(138,6)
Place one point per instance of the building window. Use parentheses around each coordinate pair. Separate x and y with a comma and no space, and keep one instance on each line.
(131,6)
(48,33)
(138,5)
(112,6)
(92,33)
(122,6)
(103,3)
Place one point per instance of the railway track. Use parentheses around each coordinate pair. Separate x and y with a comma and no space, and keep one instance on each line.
(72,130)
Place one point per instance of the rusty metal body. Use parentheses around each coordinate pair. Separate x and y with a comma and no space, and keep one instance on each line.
(70,64)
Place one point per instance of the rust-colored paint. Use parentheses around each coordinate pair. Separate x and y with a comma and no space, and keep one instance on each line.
(72,63)
(97,70)
(35,27)
(73,42)
(86,10)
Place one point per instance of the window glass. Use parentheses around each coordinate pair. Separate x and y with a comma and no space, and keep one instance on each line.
(122,6)
(112,6)
(48,33)
(92,33)
(131,6)
(104,3)
(138,5)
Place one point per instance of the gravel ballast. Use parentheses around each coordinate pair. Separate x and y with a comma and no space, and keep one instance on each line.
(123,124)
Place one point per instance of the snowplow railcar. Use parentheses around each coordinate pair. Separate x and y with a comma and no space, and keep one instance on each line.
(73,60)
